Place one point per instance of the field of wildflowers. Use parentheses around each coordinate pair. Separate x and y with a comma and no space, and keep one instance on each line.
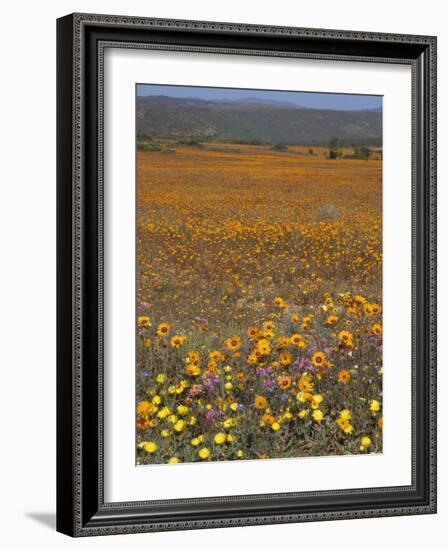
(259,319)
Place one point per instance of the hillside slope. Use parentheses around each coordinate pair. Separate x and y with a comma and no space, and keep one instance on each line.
(246,121)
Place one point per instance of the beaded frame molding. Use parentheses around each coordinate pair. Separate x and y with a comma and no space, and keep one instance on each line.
(81,40)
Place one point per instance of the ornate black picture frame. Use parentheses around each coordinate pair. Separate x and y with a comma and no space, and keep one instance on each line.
(81,509)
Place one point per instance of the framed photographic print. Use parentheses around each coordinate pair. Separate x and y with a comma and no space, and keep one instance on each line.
(246,274)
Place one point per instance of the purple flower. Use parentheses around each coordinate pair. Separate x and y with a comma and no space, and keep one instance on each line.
(303,364)
(210,381)
(212,415)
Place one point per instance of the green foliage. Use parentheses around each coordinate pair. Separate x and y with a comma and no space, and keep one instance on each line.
(143,136)
(148,147)
(245,141)
(224,149)
(279,147)
(191,143)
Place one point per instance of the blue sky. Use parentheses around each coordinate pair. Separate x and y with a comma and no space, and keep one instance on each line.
(313,100)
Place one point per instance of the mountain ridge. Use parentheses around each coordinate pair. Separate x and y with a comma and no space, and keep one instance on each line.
(251,120)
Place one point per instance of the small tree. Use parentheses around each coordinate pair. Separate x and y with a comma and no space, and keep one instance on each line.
(333,148)
(364,152)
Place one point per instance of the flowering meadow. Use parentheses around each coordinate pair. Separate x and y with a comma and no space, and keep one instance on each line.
(259,304)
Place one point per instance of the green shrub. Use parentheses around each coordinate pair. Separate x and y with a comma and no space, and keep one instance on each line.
(148,147)
(279,147)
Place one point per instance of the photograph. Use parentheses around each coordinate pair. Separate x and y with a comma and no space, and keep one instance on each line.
(259,246)
(246,273)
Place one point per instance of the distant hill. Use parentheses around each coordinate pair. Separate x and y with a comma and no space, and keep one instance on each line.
(260,101)
(249,120)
